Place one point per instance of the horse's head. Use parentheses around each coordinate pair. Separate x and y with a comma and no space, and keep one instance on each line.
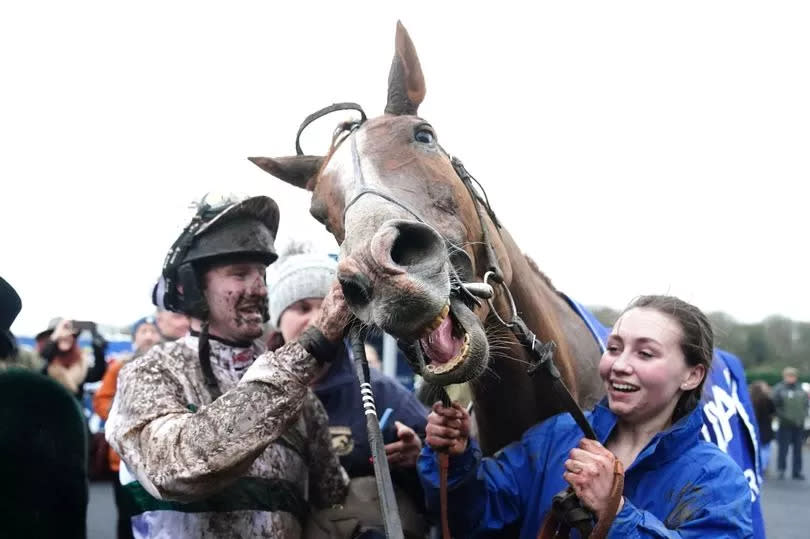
(407,225)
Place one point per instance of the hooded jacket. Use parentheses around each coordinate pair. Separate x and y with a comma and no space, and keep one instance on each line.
(678,486)
(247,464)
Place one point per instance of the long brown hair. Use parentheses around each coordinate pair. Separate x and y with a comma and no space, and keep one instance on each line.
(697,342)
(67,359)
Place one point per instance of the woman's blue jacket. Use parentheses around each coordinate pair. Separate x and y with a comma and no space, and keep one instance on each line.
(678,486)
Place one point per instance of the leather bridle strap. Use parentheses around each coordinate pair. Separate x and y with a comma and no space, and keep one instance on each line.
(566,511)
(467,179)
(320,114)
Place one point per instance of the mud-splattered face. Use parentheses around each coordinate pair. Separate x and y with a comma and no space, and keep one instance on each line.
(237,298)
(644,369)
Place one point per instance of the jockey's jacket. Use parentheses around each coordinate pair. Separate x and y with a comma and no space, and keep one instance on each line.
(247,464)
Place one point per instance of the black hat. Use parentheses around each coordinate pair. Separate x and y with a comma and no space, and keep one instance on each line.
(10,306)
(51,327)
(245,227)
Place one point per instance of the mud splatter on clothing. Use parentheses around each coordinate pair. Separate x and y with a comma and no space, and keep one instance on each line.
(248,464)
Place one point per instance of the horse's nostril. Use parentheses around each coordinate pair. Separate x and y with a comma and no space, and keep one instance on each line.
(356,288)
(415,243)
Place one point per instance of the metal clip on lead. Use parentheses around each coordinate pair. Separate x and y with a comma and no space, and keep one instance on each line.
(479,290)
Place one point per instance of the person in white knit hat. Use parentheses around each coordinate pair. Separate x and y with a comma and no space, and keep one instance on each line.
(296,285)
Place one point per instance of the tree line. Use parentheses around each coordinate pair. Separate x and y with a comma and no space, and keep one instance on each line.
(765,347)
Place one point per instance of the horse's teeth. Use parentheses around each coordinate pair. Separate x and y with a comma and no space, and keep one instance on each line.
(453,363)
(436,322)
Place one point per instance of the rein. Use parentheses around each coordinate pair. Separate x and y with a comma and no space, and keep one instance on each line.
(566,510)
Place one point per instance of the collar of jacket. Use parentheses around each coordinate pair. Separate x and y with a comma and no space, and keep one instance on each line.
(227,355)
(666,445)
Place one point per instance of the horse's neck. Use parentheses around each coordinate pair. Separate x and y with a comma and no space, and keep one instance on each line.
(508,400)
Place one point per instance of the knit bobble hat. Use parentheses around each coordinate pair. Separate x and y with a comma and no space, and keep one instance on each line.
(296,277)
(145,320)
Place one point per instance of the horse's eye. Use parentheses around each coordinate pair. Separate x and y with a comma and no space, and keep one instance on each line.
(424,135)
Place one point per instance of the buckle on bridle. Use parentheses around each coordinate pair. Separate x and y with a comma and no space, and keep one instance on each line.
(497,279)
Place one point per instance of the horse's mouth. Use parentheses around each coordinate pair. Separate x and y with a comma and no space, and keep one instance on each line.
(445,344)
(451,349)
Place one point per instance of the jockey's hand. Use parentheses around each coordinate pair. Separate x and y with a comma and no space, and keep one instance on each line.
(589,471)
(404,452)
(448,429)
(335,315)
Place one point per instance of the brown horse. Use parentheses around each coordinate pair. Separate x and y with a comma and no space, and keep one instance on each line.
(410,233)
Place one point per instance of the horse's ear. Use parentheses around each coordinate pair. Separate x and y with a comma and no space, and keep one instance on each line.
(300,170)
(406,84)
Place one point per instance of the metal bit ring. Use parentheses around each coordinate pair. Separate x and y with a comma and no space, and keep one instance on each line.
(490,276)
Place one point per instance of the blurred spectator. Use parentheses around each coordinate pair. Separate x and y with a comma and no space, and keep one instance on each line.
(144,335)
(66,363)
(43,458)
(11,308)
(10,355)
(171,325)
(765,410)
(791,409)
(297,284)
(43,454)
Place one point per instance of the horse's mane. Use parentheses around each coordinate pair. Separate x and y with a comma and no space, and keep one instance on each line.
(536,269)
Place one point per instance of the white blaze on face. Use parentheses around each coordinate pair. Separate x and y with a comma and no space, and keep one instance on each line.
(365,215)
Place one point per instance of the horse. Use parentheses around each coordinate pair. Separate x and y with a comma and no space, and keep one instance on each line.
(411,235)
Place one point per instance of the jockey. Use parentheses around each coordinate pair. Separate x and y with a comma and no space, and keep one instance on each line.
(223,438)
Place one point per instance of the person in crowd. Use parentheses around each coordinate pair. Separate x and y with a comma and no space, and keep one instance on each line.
(172,326)
(658,355)
(764,409)
(66,363)
(11,356)
(297,285)
(144,336)
(729,421)
(223,438)
(43,459)
(791,408)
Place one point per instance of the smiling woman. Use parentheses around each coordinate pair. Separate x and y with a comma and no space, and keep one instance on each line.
(658,355)
(656,361)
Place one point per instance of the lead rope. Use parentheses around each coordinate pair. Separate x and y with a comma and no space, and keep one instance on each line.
(444,466)
(566,509)
(382,475)
(555,525)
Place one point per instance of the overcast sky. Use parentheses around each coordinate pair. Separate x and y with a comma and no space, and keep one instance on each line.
(630,147)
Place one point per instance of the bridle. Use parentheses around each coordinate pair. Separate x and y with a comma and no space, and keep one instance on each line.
(566,510)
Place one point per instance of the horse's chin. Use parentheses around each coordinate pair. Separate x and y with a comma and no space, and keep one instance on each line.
(461,353)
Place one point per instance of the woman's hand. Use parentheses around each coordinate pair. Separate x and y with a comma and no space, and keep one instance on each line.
(589,471)
(63,329)
(404,452)
(448,428)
